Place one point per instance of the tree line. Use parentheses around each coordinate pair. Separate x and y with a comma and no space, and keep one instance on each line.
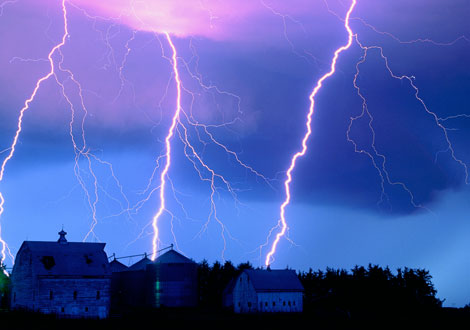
(362,289)
(371,289)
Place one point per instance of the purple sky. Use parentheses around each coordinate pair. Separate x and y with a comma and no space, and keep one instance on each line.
(247,68)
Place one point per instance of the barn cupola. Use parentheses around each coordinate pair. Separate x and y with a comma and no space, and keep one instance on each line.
(62,239)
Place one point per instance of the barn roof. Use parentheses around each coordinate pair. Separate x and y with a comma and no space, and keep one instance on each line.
(230,286)
(67,258)
(173,257)
(274,280)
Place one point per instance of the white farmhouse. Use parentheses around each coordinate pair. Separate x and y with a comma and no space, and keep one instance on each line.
(260,290)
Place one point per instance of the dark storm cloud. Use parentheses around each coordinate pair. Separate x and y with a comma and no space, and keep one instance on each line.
(273,81)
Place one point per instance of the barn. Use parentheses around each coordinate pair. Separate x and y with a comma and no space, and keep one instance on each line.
(264,290)
(70,279)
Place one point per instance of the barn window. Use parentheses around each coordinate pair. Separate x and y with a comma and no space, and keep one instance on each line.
(75,295)
(86,309)
(288,302)
(51,295)
(88,259)
(249,304)
(274,303)
(62,309)
(98,295)
(48,262)
(239,304)
(266,304)
(283,303)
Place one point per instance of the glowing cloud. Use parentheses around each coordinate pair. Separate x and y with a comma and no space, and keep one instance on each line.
(214,19)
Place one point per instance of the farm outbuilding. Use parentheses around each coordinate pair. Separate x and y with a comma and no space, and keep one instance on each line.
(117,266)
(175,280)
(169,281)
(70,279)
(260,290)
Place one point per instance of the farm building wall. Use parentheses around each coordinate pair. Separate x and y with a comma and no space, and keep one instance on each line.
(78,297)
(23,282)
(245,299)
(276,302)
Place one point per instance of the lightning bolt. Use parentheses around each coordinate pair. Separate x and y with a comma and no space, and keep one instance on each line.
(170,134)
(195,135)
(192,155)
(286,18)
(381,168)
(418,40)
(282,222)
(21,115)
(383,172)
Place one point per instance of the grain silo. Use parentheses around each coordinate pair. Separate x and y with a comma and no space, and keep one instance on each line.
(174,279)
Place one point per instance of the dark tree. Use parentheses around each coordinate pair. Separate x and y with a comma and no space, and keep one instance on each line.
(369,291)
(214,279)
(4,288)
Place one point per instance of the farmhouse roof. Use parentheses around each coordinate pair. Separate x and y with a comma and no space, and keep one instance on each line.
(274,280)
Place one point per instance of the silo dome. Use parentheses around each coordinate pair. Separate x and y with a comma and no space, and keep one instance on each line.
(175,280)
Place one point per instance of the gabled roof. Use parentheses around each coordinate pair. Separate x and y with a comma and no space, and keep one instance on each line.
(141,264)
(230,286)
(67,259)
(173,257)
(274,280)
(117,266)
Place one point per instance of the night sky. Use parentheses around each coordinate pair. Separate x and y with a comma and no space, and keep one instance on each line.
(383,184)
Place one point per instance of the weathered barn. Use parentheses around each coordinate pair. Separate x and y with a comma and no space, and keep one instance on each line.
(169,281)
(261,290)
(70,279)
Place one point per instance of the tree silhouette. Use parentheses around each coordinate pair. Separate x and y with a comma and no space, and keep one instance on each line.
(4,288)
(363,291)
(214,279)
(372,290)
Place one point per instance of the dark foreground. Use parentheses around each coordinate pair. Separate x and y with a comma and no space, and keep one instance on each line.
(443,318)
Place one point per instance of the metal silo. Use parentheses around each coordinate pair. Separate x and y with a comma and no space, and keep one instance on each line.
(174,279)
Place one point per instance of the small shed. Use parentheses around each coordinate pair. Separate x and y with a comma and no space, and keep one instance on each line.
(70,279)
(272,291)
